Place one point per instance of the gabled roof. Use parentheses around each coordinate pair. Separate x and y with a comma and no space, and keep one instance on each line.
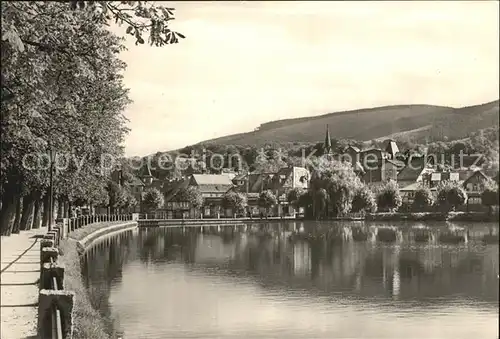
(212,183)
(392,147)
(146,171)
(212,179)
(357,150)
(371,150)
(175,188)
(413,170)
(476,173)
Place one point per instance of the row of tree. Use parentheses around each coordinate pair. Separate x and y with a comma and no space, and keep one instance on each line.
(62,102)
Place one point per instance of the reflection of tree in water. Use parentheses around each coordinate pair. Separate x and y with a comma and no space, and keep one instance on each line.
(161,245)
(315,264)
(410,272)
(102,267)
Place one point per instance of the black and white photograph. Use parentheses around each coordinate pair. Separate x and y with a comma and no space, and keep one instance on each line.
(249,169)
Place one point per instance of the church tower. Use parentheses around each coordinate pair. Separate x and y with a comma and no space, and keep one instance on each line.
(327,145)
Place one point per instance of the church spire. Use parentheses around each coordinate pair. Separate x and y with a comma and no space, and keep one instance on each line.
(327,146)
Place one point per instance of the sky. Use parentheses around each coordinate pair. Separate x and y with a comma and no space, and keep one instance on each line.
(246,63)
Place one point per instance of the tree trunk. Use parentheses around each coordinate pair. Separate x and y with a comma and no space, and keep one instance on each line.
(7,217)
(66,209)
(17,216)
(8,210)
(55,207)
(60,208)
(46,210)
(27,212)
(36,211)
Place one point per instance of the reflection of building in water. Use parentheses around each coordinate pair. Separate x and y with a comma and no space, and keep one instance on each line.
(160,246)
(301,258)
(396,279)
(431,258)
(212,248)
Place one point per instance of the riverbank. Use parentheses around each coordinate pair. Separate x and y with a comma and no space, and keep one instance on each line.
(434,216)
(201,222)
(88,322)
(396,216)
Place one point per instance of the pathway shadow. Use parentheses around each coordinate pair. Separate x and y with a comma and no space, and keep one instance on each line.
(37,236)
(22,262)
(19,271)
(20,284)
(20,305)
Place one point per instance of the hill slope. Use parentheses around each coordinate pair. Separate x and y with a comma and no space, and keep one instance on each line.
(417,121)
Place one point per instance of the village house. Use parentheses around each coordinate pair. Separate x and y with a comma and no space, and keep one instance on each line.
(374,165)
(415,171)
(280,183)
(474,186)
(212,188)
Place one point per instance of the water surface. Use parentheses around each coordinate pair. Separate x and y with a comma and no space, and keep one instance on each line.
(257,281)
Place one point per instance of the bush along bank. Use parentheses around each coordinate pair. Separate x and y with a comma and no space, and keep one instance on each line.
(88,322)
(434,216)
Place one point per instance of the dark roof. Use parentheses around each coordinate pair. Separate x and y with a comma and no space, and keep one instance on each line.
(146,171)
(411,171)
(353,147)
(476,173)
(175,188)
(398,163)
(392,147)
(371,149)
(469,160)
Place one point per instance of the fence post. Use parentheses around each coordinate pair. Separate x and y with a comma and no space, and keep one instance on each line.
(50,270)
(46,254)
(64,302)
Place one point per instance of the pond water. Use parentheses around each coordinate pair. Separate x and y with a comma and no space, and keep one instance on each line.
(294,280)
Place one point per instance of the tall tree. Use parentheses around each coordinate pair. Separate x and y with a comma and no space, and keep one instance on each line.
(62,91)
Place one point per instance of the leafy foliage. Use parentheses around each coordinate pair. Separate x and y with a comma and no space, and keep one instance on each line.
(153,199)
(489,197)
(363,200)
(338,180)
(388,197)
(450,195)
(235,200)
(267,199)
(294,196)
(423,198)
(63,91)
(190,194)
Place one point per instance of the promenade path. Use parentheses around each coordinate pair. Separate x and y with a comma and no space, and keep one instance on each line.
(20,272)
